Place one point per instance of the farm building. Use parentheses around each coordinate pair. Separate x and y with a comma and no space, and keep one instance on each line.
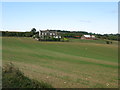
(48,34)
(89,37)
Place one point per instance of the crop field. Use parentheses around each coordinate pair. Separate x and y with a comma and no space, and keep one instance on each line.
(74,64)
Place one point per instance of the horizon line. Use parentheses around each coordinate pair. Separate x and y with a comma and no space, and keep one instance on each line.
(55,29)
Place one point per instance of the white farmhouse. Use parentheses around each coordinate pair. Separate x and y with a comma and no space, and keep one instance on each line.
(47,34)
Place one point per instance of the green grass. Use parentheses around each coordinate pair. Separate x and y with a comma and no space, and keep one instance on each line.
(64,64)
(93,41)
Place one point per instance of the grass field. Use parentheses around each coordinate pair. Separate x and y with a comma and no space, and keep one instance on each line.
(78,63)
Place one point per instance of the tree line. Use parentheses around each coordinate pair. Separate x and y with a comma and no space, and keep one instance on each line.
(64,33)
(19,34)
(78,34)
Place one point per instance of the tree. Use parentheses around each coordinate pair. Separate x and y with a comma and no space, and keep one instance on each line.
(33,31)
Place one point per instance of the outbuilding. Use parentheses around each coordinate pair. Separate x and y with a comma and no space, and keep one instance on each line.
(89,37)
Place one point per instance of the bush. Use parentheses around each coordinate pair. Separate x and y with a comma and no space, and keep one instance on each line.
(108,42)
(50,39)
(13,77)
(64,40)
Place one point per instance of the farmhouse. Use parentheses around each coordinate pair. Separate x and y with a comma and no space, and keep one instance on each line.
(49,34)
(89,37)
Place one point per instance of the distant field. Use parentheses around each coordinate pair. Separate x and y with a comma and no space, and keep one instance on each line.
(93,41)
(78,63)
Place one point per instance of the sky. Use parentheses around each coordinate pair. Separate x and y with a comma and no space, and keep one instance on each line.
(96,17)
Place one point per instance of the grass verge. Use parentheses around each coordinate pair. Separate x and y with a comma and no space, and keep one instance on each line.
(14,78)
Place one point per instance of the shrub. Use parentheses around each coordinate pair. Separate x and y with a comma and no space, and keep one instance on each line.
(64,40)
(107,42)
(13,77)
(50,39)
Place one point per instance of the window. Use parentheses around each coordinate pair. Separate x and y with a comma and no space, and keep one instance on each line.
(53,33)
(50,33)
(59,36)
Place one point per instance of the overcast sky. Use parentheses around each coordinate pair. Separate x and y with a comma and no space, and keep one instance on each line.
(96,17)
